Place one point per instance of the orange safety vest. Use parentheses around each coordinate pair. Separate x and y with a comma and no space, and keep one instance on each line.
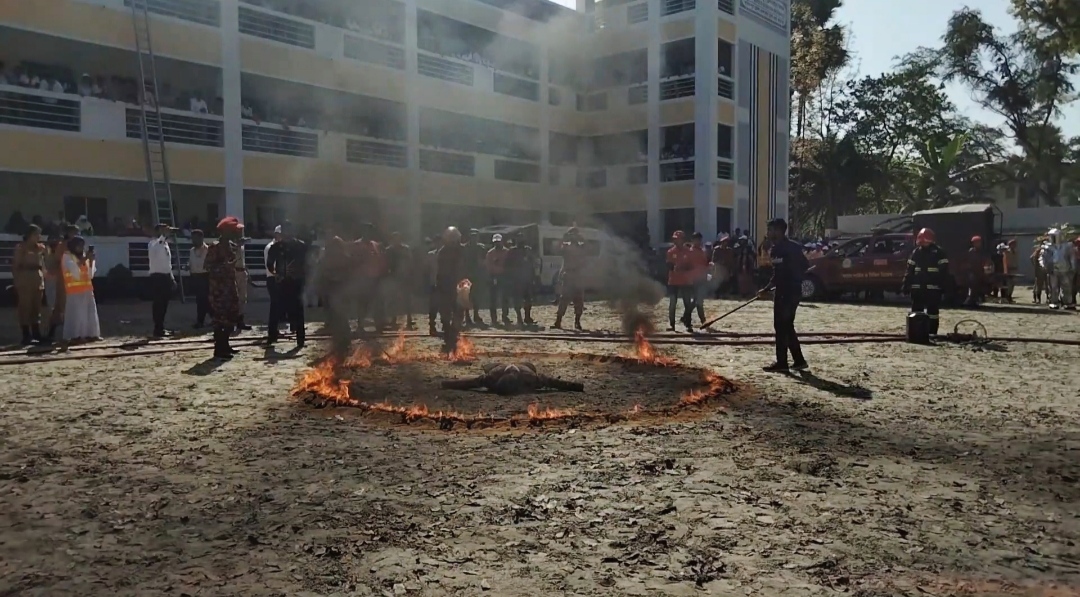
(80,283)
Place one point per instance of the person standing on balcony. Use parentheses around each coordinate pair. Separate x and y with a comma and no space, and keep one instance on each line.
(162,281)
(28,269)
(80,311)
(199,279)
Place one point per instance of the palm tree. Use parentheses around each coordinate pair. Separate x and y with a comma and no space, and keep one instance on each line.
(941,174)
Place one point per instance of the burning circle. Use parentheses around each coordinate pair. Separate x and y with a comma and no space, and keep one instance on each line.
(402,385)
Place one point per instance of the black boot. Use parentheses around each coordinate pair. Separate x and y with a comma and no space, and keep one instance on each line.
(51,335)
(27,340)
(222,350)
(577,322)
(35,333)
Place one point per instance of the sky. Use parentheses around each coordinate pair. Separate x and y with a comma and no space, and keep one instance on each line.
(882,30)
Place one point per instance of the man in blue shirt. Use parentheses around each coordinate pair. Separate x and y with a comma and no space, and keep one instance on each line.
(789,266)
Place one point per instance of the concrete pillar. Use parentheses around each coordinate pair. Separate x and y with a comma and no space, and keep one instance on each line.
(230,95)
(652,191)
(705,98)
(410,209)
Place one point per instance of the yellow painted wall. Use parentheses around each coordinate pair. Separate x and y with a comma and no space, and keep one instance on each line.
(487,17)
(725,112)
(321,177)
(70,155)
(725,194)
(725,30)
(462,190)
(614,41)
(677,29)
(677,194)
(624,198)
(764,156)
(678,111)
(100,25)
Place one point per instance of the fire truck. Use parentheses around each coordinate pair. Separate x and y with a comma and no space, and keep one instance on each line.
(876,263)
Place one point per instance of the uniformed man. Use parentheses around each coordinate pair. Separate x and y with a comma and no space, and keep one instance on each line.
(498,282)
(521,265)
(242,280)
(449,270)
(399,264)
(789,265)
(162,281)
(1037,262)
(224,288)
(335,276)
(287,264)
(371,263)
(199,279)
(474,269)
(927,277)
(575,259)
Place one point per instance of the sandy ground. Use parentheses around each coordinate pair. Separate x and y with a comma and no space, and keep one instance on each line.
(166,475)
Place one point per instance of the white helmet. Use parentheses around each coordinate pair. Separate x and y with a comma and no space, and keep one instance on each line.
(496,238)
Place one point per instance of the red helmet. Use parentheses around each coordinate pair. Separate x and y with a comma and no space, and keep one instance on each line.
(976,240)
(926,237)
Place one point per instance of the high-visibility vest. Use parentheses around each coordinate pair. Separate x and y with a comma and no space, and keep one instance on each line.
(78,284)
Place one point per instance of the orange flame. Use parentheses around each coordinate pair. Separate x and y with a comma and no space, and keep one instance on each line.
(646,353)
(327,383)
(464,352)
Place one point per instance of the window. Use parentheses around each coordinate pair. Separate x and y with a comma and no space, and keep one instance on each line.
(94,208)
(724,149)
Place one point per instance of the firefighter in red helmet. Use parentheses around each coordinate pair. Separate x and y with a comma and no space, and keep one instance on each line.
(927,277)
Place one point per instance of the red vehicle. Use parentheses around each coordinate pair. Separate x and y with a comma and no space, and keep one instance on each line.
(877,262)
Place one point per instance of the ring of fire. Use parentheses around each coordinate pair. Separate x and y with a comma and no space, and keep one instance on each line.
(641,384)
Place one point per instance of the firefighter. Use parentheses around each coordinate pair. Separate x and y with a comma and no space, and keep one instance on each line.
(1040,270)
(575,256)
(927,277)
(976,292)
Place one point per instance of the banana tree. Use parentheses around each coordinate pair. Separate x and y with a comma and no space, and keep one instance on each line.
(941,173)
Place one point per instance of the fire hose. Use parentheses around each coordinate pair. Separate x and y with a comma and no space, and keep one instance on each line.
(749,339)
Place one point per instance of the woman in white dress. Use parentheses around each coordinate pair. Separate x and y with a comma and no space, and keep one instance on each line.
(80,313)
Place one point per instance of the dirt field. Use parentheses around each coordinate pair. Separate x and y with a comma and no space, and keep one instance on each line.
(891,470)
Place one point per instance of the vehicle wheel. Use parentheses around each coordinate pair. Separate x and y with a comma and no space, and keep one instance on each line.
(812,288)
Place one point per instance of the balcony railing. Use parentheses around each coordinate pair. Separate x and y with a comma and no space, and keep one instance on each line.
(516,87)
(373,52)
(267,138)
(177,127)
(727,6)
(670,7)
(725,170)
(676,88)
(638,13)
(39,109)
(444,162)
(204,12)
(638,94)
(360,151)
(277,28)
(676,171)
(592,179)
(725,87)
(516,171)
(596,102)
(447,70)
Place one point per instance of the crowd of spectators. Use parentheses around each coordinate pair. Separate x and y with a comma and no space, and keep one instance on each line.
(382,19)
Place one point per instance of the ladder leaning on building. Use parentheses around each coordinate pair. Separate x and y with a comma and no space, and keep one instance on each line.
(152,132)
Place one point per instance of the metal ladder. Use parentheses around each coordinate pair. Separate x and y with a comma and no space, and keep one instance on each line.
(153,137)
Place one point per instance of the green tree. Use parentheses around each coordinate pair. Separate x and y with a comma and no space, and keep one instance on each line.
(1026,83)
(1052,23)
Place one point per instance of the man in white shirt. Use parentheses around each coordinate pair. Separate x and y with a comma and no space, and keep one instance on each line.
(162,282)
(199,278)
